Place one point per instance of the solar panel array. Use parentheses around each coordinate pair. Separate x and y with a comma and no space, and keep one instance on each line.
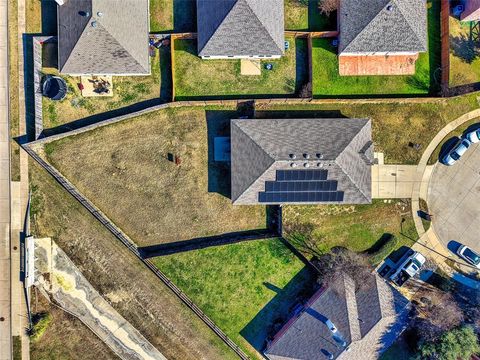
(301,186)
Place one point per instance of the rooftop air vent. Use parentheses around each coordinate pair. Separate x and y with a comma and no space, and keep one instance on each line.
(320,164)
(94,24)
(389,7)
(319,156)
(293,165)
(307,165)
(306,156)
(84,13)
(99,14)
(292,156)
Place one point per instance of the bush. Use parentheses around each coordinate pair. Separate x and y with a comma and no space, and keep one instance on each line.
(41,322)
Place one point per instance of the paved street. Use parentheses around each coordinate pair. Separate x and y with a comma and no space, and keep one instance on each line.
(5,318)
(453,200)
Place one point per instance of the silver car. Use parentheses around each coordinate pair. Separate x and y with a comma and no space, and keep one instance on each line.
(473,136)
(469,255)
(456,152)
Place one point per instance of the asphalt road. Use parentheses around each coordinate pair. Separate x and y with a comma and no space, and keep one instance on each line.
(454,201)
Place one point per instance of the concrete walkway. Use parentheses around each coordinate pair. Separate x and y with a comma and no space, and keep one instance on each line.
(428,241)
(393,181)
(73,293)
(5,281)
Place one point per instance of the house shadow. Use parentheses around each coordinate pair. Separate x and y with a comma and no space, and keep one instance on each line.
(165,63)
(318,21)
(285,304)
(49,17)
(184,16)
(301,65)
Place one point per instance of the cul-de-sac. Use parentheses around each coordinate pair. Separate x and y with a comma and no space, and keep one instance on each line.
(240,179)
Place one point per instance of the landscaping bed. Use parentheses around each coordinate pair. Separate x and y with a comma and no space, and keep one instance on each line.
(361,228)
(464,51)
(128,171)
(210,79)
(127,90)
(246,288)
(327,81)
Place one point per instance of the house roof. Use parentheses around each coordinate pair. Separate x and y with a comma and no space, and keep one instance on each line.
(240,27)
(382,26)
(472,11)
(103,37)
(367,319)
(340,156)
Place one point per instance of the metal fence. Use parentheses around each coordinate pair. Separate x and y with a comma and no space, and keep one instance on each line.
(120,235)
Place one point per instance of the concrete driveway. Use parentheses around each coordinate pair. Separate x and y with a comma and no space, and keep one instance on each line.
(454,201)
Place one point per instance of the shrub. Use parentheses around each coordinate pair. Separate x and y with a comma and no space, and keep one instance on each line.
(41,322)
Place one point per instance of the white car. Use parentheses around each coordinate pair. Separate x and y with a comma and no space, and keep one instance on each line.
(473,136)
(469,255)
(456,152)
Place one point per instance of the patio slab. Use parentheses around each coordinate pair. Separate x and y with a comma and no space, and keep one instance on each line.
(250,67)
(91,82)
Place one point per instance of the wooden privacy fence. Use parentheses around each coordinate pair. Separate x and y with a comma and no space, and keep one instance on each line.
(120,235)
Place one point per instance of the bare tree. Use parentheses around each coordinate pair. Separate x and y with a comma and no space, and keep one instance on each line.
(327,6)
(301,236)
(343,261)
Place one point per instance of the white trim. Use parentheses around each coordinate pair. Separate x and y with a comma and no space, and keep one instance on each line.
(257,57)
(380,53)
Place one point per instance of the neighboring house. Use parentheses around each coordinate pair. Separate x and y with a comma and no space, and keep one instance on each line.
(472,11)
(276,161)
(344,322)
(240,29)
(103,37)
(381,37)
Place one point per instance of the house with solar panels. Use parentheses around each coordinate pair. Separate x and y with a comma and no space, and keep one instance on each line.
(381,37)
(240,29)
(301,161)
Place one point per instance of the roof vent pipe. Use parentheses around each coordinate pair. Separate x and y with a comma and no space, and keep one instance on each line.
(293,165)
(306,156)
(292,156)
(307,165)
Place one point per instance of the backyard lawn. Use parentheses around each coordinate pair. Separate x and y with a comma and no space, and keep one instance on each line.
(464,53)
(328,83)
(357,227)
(125,170)
(195,77)
(173,16)
(127,90)
(244,288)
(304,15)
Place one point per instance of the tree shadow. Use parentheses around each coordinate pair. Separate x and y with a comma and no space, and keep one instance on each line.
(184,16)
(285,304)
(380,243)
(465,46)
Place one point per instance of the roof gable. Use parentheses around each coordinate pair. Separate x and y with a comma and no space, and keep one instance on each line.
(103,37)
(383,26)
(240,27)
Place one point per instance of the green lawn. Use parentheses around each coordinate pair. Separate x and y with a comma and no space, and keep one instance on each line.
(328,83)
(244,288)
(464,53)
(304,15)
(173,16)
(357,227)
(195,77)
(161,15)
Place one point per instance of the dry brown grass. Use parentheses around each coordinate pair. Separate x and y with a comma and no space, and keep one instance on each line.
(124,170)
(133,290)
(66,337)
(33,13)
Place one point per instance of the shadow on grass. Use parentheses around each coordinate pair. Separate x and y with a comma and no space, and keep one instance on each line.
(434,46)
(184,16)
(380,243)
(320,22)
(278,310)
(299,114)
(165,64)
(301,64)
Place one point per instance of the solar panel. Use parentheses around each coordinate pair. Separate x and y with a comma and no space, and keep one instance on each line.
(317,196)
(301,175)
(298,186)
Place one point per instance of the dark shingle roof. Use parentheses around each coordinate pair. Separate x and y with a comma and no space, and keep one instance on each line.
(240,27)
(368,320)
(103,37)
(260,147)
(383,26)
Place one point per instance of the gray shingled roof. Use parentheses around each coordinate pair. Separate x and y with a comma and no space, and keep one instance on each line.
(383,26)
(240,27)
(368,320)
(260,147)
(117,44)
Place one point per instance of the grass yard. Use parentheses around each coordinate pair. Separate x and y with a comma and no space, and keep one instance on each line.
(394,125)
(196,78)
(357,227)
(33,16)
(124,169)
(130,288)
(244,288)
(173,16)
(304,15)
(328,83)
(66,337)
(464,53)
(127,90)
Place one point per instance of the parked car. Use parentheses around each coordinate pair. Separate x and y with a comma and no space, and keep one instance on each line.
(408,268)
(456,152)
(469,255)
(473,136)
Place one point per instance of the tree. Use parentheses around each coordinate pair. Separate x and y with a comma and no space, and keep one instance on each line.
(344,261)
(458,343)
(437,312)
(327,6)
(301,236)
